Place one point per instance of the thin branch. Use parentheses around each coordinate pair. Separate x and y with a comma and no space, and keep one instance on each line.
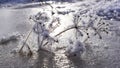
(76,33)
(68,29)
(25,41)
(64,31)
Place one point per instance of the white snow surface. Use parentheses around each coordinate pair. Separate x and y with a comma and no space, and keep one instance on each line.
(94,47)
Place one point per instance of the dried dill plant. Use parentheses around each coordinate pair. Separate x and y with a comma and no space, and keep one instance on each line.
(42,31)
(95,23)
(39,28)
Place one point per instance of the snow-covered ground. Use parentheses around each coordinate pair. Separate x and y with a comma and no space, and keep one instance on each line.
(99,53)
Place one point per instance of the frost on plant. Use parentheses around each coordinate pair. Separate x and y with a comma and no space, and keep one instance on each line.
(81,27)
(75,49)
(44,26)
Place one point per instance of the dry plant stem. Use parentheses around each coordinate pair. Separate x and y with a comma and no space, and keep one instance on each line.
(97,32)
(99,26)
(76,33)
(100,29)
(64,31)
(45,44)
(40,42)
(60,33)
(25,42)
(73,27)
(95,29)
